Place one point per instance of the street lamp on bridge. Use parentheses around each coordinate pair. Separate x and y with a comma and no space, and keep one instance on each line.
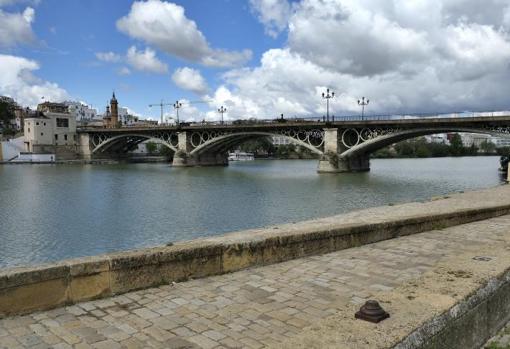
(363,103)
(177,106)
(327,96)
(222,110)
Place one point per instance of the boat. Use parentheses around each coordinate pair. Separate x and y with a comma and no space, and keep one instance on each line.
(240,156)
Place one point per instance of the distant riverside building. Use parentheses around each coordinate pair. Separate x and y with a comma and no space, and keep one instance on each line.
(438,138)
(80,111)
(52,130)
(501,142)
(50,107)
(470,139)
(280,140)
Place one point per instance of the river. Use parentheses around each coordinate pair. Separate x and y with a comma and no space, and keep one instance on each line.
(53,212)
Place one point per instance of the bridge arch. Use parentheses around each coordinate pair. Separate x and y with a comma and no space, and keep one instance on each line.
(369,146)
(224,142)
(127,142)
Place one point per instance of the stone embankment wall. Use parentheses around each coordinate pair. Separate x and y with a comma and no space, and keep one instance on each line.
(33,288)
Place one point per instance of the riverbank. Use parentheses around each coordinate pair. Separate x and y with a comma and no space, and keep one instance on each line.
(444,288)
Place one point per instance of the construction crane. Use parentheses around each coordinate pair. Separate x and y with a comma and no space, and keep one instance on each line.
(161,105)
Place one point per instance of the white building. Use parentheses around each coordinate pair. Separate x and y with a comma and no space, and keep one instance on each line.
(469,139)
(501,142)
(80,111)
(281,140)
(125,118)
(438,138)
(51,133)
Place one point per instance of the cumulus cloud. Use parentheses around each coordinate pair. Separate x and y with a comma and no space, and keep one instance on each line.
(165,25)
(190,79)
(18,82)
(273,14)
(108,57)
(406,56)
(16,28)
(145,60)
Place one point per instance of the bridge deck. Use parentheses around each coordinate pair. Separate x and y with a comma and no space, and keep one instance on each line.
(265,124)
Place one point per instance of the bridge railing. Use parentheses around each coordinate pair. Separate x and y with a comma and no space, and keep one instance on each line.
(370,117)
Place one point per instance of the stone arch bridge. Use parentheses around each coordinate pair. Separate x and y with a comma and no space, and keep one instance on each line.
(343,146)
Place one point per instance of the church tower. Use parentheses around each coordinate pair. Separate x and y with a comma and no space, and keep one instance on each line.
(114,111)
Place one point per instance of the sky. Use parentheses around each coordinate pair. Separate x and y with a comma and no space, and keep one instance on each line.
(258,58)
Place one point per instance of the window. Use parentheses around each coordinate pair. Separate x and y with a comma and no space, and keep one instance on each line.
(29,129)
(65,137)
(62,122)
(42,134)
(37,123)
(44,124)
(56,137)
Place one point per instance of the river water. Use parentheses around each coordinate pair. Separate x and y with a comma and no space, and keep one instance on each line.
(53,212)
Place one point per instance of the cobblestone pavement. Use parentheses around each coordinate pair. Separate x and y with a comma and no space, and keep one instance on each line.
(253,308)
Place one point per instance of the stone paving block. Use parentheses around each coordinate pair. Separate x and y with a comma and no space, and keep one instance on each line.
(203,341)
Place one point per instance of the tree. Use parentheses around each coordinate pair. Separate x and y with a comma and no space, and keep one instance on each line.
(423,151)
(151,147)
(6,113)
(261,146)
(456,146)
(488,147)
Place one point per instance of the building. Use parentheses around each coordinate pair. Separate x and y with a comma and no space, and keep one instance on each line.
(281,140)
(501,142)
(470,139)
(51,132)
(50,107)
(81,111)
(111,117)
(438,139)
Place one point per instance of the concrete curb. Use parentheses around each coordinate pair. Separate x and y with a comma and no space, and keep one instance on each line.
(469,323)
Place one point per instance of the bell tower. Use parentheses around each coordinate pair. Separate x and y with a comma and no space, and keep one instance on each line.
(114,111)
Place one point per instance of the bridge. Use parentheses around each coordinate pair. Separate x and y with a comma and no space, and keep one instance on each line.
(342,145)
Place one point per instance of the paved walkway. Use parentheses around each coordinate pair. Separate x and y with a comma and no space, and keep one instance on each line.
(254,308)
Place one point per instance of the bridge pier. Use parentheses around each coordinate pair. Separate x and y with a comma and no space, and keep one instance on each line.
(332,160)
(334,163)
(184,157)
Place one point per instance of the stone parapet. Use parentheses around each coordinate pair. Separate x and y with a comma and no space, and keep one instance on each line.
(24,290)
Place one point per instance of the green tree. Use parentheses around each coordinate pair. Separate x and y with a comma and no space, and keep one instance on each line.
(488,147)
(456,146)
(151,147)
(422,151)
(6,114)
(259,146)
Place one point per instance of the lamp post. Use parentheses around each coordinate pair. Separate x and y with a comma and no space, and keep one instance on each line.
(222,110)
(327,96)
(177,106)
(363,103)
